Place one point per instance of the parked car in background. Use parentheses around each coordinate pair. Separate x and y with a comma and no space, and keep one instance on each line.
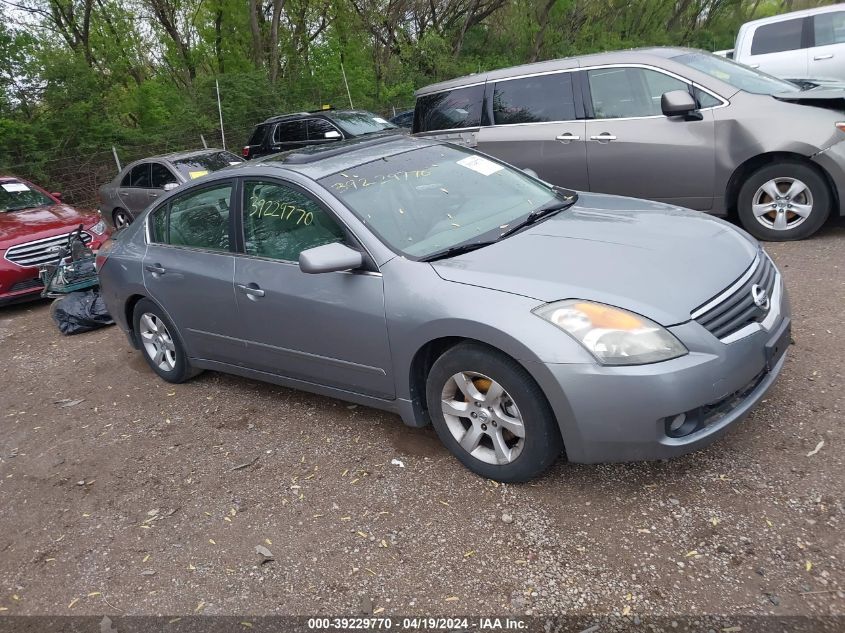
(809,43)
(675,125)
(427,279)
(34,225)
(404,119)
(140,183)
(728,53)
(293,131)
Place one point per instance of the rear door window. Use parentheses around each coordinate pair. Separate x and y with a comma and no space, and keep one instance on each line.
(450,109)
(534,99)
(197,219)
(140,176)
(778,37)
(829,28)
(290,132)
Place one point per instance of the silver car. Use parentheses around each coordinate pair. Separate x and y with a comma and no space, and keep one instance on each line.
(436,282)
(140,183)
(679,126)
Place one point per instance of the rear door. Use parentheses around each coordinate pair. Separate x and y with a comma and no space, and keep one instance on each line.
(827,56)
(634,150)
(189,267)
(328,329)
(780,48)
(537,123)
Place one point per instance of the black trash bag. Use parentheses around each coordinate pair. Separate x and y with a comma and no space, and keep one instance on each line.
(80,311)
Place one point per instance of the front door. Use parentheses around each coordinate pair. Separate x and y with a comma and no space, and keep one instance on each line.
(634,150)
(328,329)
(535,126)
(189,268)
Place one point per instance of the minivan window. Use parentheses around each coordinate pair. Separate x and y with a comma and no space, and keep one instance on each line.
(739,76)
(629,92)
(534,99)
(829,28)
(422,201)
(777,37)
(450,109)
(290,132)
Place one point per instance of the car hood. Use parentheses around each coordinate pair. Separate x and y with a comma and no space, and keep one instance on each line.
(656,260)
(39,222)
(832,98)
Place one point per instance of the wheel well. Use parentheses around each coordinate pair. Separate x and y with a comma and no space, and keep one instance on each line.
(129,310)
(747,168)
(420,366)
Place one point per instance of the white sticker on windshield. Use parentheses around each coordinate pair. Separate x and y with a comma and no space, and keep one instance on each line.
(15,186)
(378,119)
(481,165)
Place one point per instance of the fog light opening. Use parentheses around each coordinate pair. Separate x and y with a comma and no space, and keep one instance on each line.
(683,423)
(677,422)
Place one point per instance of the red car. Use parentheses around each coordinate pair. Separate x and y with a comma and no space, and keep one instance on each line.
(32,223)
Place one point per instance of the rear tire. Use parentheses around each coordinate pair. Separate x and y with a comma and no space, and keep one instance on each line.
(491,415)
(160,343)
(785,201)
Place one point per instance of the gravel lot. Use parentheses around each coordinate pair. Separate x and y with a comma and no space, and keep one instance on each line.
(149,498)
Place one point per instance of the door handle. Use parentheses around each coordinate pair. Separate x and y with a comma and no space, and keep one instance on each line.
(250,290)
(821,57)
(566,137)
(156,269)
(604,136)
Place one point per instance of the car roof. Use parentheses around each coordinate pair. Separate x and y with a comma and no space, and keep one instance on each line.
(636,55)
(792,15)
(315,113)
(317,161)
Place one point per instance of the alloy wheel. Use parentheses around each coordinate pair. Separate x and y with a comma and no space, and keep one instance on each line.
(157,341)
(782,203)
(121,219)
(483,418)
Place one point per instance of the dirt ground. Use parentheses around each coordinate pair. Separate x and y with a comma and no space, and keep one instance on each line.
(120,493)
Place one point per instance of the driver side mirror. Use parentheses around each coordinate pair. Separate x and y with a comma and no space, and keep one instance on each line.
(679,103)
(332,134)
(170,186)
(329,258)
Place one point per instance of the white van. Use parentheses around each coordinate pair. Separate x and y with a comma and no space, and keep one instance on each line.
(798,45)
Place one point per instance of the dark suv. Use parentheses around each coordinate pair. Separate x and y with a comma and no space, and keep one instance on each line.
(292,131)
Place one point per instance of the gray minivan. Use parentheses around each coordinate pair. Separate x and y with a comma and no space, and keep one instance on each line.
(675,125)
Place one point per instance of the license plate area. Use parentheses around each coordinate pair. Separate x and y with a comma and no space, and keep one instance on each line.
(777,345)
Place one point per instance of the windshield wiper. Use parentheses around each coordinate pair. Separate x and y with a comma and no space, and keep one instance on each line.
(457,250)
(538,214)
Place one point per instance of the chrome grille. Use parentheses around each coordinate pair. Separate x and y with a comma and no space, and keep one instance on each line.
(734,309)
(38,252)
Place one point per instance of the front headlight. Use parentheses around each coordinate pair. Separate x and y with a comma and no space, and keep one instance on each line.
(99,228)
(612,335)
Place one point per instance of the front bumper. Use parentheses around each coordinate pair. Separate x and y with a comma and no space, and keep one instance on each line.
(615,414)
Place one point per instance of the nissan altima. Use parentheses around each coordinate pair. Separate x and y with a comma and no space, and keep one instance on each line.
(520,319)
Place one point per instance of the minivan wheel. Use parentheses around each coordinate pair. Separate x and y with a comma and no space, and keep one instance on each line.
(785,201)
(491,415)
(122,218)
(160,343)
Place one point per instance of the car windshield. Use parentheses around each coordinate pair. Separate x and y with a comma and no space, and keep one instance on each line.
(360,123)
(202,164)
(16,195)
(438,197)
(737,75)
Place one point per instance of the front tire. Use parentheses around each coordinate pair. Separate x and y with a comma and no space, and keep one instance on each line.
(491,415)
(160,343)
(785,201)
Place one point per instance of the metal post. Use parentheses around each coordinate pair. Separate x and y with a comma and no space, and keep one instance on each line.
(116,159)
(202,138)
(348,94)
(220,111)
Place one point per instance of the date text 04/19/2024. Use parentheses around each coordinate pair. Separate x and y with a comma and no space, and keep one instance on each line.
(417,624)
